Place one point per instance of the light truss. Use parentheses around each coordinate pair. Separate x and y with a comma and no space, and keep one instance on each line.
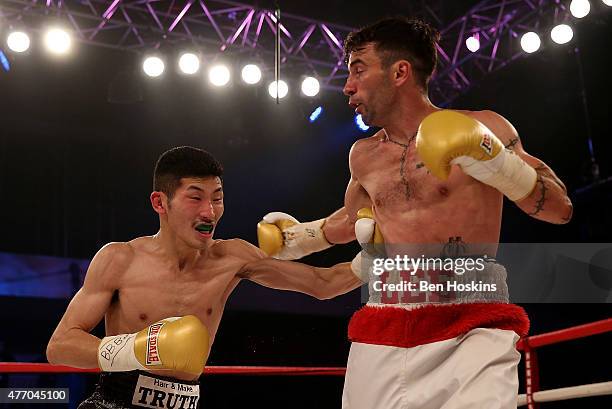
(499,26)
(218,27)
(212,26)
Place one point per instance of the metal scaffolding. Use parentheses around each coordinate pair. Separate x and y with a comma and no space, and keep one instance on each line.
(221,27)
(498,25)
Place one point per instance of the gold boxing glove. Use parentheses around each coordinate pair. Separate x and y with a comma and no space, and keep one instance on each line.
(175,344)
(283,237)
(448,138)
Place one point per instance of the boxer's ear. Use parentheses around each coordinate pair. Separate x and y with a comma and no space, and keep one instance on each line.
(157,202)
(402,72)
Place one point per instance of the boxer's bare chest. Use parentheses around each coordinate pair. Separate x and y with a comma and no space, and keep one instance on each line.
(396,179)
(411,204)
(151,289)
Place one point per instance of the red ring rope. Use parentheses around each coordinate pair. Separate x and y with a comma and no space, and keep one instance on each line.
(21,367)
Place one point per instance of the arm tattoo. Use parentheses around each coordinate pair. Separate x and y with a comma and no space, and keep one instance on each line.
(546,172)
(512,143)
(541,186)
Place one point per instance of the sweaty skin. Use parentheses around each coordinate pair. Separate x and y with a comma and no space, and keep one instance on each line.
(132,285)
(411,205)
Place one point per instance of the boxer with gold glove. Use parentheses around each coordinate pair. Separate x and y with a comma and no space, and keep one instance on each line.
(175,344)
(448,138)
(282,236)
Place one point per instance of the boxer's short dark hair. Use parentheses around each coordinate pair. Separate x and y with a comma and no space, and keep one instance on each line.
(399,38)
(183,162)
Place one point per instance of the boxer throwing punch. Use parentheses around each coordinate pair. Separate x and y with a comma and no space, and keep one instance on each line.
(162,296)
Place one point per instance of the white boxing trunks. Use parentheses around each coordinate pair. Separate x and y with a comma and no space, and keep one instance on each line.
(472,371)
(435,355)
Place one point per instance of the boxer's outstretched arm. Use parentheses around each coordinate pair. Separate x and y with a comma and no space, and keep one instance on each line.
(548,201)
(319,282)
(339,227)
(71,343)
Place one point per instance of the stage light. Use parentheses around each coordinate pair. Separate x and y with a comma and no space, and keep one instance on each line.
(57,41)
(607,2)
(18,41)
(561,34)
(153,66)
(251,74)
(360,124)
(219,75)
(315,114)
(530,42)
(473,43)
(283,89)
(580,8)
(189,63)
(310,86)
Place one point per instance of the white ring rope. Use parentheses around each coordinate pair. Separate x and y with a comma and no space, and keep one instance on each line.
(571,392)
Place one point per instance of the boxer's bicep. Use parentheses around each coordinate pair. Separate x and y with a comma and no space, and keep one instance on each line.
(71,343)
(88,306)
(318,282)
(355,198)
(338,227)
(281,275)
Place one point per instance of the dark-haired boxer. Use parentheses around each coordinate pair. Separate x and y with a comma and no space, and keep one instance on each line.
(433,193)
(162,296)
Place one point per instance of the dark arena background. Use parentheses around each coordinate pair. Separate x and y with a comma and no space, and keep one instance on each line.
(80,133)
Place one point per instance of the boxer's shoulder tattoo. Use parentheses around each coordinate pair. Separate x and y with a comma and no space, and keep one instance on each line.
(511,143)
(542,189)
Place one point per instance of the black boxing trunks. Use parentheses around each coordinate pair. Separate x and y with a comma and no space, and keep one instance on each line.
(139,389)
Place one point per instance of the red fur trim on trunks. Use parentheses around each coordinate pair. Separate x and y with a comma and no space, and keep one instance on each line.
(408,328)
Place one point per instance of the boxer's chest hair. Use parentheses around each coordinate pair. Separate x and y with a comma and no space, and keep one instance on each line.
(402,178)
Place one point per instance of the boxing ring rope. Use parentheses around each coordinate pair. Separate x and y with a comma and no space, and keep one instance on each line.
(528,345)
(572,392)
(22,367)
